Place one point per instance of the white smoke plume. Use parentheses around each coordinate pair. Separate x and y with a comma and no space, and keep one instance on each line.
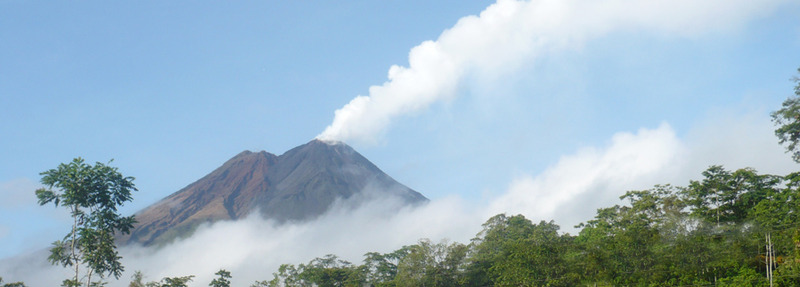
(509,34)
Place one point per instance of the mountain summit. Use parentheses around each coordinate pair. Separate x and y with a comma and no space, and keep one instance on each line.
(298,185)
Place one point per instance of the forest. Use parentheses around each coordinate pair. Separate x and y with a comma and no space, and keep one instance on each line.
(728,229)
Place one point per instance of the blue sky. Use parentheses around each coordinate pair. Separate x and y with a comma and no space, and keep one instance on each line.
(170,90)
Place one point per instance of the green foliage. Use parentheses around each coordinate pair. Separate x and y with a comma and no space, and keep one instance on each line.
(506,250)
(536,260)
(222,280)
(727,197)
(788,274)
(617,241)
(13,284)
(745,277)
(488,245)
(137,279)
(710,232)
(705,232)
(92,195)
(331,271)
(432,264)
(382,268)
(172,282)
(325,271)
(788,120)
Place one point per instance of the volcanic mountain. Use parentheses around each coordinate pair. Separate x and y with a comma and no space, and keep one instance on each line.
(298,185)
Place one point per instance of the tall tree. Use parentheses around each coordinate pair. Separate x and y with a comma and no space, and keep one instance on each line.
(536,260)
(381,269)
(788,120)
(432,264)
(726,197)
(330,271)
(137,279)
(487,248)
(182,281)
(92,194)
(222,280)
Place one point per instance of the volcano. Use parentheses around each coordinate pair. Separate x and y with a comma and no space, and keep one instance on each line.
(298,185)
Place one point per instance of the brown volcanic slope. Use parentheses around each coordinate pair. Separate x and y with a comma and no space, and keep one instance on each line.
(300,184)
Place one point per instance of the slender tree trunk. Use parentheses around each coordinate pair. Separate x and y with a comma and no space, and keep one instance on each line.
(72,243)
(716,202)
(89,278)
(771,258)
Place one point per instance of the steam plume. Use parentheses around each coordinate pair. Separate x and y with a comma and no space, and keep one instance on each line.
(510,34)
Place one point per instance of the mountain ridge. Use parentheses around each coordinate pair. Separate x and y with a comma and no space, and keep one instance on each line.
(300,184)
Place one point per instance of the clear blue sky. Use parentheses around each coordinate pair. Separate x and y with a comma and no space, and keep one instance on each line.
(171,89)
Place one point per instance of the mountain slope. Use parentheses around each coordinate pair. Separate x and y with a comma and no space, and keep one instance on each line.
(298,185)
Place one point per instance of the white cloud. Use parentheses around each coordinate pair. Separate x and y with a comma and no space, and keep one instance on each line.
(254,248)
(509,34)
(574,188)
(735,140)
(578,184)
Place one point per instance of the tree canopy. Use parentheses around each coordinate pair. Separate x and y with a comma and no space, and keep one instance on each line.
(788,120)
(707,233)
(92,194)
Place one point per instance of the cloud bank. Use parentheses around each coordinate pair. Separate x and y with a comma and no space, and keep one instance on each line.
(509,34)
(593,177)
(571,190)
